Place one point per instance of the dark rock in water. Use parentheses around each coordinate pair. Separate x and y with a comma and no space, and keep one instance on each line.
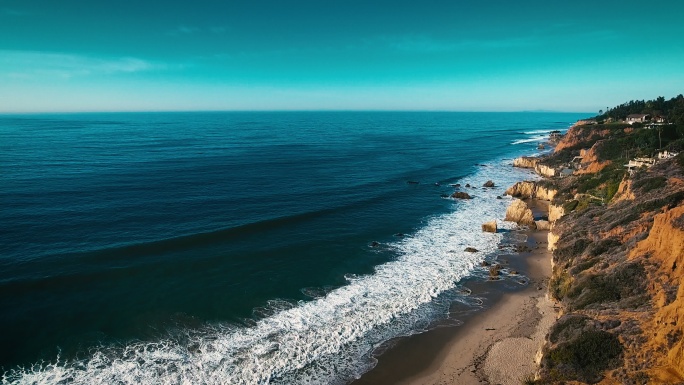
(456,185)
(461,195)
(437,184)
(467,185)
(444,195)
(374,244)
(498,197)
(399,234)
(412,182)
(488,183)
(522,248)
(471,250)
(485,264)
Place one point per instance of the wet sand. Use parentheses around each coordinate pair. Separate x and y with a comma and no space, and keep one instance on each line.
(497,344)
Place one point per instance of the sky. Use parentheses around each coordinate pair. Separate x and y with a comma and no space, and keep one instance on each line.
(453,55)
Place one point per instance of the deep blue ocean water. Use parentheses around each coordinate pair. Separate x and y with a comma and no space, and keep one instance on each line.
(236,247)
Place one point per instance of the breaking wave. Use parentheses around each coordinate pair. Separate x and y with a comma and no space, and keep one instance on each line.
(327,340)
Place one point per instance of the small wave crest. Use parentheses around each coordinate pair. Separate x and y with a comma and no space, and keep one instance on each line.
(537,138)
(327,340)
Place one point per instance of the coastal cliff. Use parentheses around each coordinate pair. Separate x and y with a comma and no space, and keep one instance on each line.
(618,261)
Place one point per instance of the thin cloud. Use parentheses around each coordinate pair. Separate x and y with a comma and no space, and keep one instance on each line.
(31,64)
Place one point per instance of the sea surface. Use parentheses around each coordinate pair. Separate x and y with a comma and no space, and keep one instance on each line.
(240,248)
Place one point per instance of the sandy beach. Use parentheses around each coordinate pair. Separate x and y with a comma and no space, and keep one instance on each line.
(497,344)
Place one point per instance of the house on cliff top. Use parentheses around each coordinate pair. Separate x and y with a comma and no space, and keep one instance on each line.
(637,118)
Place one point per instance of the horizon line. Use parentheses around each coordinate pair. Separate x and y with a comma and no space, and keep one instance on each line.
(71,112)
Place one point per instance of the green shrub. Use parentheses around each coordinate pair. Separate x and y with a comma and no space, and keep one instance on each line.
(559,285)
(648,184)
(569,206)
(567,327)
(601,247)
(585,358)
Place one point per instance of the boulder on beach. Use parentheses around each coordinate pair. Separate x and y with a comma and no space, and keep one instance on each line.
(461,195)
(543,225)
(489,227)
(519,213)
(488,183)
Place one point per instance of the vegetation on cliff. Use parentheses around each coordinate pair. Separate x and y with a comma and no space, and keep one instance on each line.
(672,109)
(618,260)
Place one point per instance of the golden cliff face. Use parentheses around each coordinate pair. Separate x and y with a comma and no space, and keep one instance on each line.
(578,134)
(664,246)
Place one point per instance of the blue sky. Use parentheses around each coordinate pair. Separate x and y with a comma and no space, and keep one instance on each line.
(132,55)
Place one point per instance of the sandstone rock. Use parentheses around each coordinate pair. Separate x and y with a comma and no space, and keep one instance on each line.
(519,213)
(665,242)
(552,239)
(529,189)
(489,183)
(461,195)
(546,171)
(543,225)
(471,250)
(525,162)
(489,227)
(555,213)
(524,189)
(484,263)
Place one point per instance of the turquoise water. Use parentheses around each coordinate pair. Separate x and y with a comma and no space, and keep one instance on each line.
(237,247)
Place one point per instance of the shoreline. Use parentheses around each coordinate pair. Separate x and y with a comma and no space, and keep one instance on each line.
(498,343)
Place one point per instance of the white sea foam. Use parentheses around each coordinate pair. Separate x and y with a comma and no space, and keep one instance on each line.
(537,132)
(327,340)
(536,138)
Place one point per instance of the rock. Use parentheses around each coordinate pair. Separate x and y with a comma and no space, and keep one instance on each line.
(437,184)
(471,250)
(525,162)
(399,234)
(374,244)
(543,225)
(495,270)
(552,240)
(488,183)
(489,227)
(546,171)
(485,264)
(555,212)
(498,197)
(412,182)
(461,195)
(529,189)
(519,213)
(467,185)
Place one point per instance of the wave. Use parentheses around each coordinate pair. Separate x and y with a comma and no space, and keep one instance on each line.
(537,132)
(538,138)
(327,340)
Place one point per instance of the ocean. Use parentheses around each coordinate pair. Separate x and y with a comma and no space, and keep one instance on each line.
(241,247)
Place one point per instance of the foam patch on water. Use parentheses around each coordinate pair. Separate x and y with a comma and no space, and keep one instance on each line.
(536,138)
(327,340)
